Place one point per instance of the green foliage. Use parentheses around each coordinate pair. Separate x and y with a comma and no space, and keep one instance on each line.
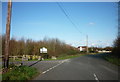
(12,65)
(20,73)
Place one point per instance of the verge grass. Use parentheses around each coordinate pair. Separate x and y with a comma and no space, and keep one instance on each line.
(112,59)
(20,73)
(62,57)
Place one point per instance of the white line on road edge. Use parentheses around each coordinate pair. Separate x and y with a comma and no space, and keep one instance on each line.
(96,77)
(54,66)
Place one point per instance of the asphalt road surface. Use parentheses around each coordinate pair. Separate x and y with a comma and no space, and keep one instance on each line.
(90,67)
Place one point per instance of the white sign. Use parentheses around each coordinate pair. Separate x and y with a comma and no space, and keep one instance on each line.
(43,50)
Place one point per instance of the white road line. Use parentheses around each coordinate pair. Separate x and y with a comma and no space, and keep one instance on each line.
(50,68)
(96,77)
(53,67)
(43,72)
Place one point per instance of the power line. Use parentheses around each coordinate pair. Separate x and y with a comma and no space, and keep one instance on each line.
(68,17)
(75,26)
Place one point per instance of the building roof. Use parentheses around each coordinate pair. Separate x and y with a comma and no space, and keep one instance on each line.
(82,46)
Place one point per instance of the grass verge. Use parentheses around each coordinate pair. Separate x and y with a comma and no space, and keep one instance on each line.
(20,73)
(112,59)
(62,57)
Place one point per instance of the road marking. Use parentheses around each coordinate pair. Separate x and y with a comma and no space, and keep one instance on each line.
(43,72)
(54,67)
(96,77)
(50,68)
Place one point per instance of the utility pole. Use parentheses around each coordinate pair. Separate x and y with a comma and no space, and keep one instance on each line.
(7,37)
(87,42)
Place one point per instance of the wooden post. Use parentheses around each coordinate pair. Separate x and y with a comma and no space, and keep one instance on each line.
(7,37)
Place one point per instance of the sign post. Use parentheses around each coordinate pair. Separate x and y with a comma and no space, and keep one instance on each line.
(43,50)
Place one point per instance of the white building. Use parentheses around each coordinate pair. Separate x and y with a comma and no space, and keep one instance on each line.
(82,48)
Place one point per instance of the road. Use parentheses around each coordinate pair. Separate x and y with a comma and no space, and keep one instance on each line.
(90,67)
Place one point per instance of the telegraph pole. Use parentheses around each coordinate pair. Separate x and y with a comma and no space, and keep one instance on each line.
(87,42)
(7,37)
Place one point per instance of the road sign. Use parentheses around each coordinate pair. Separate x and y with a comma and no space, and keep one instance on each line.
(43,50)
